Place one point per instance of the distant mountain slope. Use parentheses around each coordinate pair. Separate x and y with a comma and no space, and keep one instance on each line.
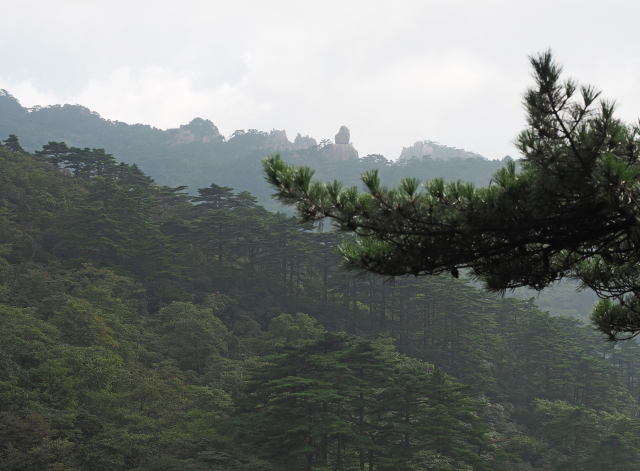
(435,150)
(197,154)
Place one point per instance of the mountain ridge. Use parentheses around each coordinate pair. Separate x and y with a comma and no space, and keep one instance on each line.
(197,154)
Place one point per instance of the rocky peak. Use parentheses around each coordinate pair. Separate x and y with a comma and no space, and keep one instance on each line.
(436,151)
(343,135)
(198,130)
(342,149)
(303,142)
(277,140)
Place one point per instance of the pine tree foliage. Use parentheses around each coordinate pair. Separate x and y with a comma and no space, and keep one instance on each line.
(572,212)
(338,402)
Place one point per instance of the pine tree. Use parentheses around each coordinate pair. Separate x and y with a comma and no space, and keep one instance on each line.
(13,144)
(571,212)
(214,197)
(54,152)
(286,407)
(430,412)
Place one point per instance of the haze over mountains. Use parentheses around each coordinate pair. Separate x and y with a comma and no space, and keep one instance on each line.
(197,154)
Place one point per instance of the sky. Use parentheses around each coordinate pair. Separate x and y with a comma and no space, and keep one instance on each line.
(393,72)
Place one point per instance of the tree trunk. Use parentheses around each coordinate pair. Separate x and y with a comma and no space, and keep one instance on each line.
(297,287)
(383,307)
(325,439)
(407,442)
(252,265)
(355,298)
(361,422)
(371,282)
(401,326)
(393,318)
(291,279)
(324,286)
(309,440)
(361,449)
(284,284)
(424,328)
(339,451)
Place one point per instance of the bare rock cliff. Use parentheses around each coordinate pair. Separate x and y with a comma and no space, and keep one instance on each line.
(342,149)
(198,130)
(436,151)
(303,142)
(277,140)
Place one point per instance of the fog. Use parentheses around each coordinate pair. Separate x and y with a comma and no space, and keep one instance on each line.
(393,72)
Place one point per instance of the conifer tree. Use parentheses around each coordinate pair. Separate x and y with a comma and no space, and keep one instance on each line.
(54,152)
(13,144)
(572,212)
(287,401)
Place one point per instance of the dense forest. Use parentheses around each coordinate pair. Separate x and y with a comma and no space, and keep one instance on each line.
(146,328)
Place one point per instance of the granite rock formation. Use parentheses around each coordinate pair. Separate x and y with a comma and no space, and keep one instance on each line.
(198,130)
(303,142)
(277,140)
(435,151)
(342,149)
(343,136)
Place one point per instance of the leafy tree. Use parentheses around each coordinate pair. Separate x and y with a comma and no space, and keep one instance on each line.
(571,212)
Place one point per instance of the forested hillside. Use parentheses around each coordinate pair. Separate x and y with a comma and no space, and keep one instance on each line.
(143,328)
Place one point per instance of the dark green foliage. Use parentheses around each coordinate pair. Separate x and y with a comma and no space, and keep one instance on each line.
(572,212)
(336,401)
(13,145)
(139,330)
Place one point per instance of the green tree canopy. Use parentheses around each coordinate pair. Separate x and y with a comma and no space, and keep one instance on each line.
(571,212)
(13,144)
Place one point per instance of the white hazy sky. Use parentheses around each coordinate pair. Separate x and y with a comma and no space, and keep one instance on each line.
(394,72)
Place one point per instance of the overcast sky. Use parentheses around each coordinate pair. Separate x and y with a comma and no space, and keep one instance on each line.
(394,72)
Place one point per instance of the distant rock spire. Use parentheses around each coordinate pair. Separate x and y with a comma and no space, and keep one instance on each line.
(343,136)
(303,142)
(342,149)
(277,140)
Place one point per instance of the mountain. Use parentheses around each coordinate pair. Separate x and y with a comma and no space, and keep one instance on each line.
(196,154)
(435,150)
